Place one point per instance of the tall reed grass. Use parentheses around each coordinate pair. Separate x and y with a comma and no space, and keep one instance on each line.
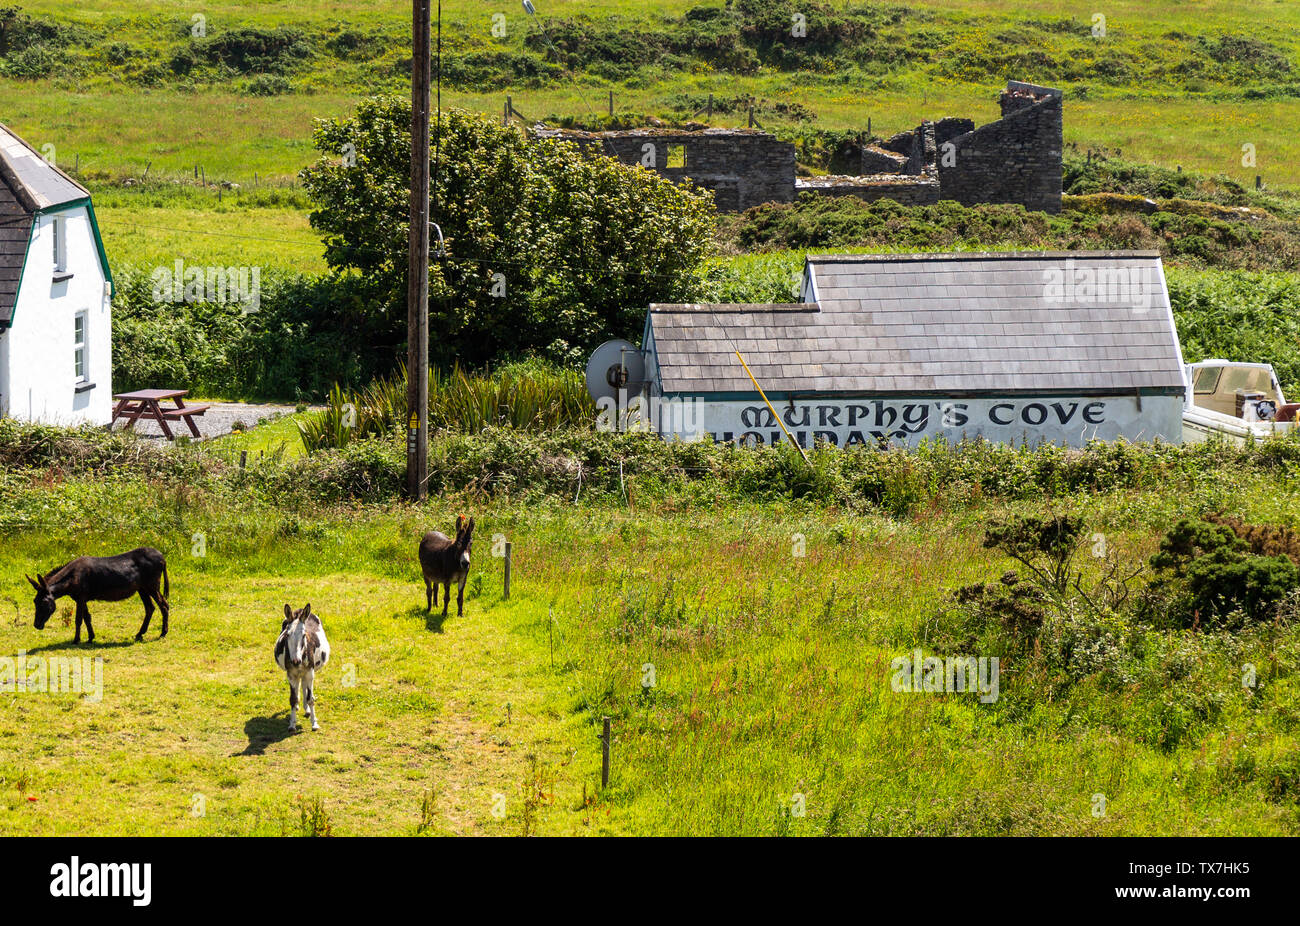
(526,396)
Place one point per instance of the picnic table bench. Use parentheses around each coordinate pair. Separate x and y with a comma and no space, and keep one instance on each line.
(146,403)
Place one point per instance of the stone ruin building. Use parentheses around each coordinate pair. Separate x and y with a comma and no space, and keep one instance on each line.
(1016,159)
(743,167)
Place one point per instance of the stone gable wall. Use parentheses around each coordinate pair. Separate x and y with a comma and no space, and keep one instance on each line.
(1014,160)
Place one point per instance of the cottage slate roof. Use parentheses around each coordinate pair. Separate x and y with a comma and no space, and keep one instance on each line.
(950,324)
(28,185)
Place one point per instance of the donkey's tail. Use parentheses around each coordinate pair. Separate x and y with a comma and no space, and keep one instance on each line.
(167,583)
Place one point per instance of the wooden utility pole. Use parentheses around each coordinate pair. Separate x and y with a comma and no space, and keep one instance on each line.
(417,285)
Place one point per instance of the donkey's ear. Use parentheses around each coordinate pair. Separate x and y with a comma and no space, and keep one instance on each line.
(306,611)
(288,612)
(469,526)
(460,523)
(36,585)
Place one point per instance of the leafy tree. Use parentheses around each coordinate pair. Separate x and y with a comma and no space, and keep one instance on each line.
(549,249)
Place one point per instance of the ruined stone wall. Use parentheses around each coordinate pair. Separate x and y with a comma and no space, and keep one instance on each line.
(902,188)
(946,130)
(1014,160)
(742,167)
(877,160)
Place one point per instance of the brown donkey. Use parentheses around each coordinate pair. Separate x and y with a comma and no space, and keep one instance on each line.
(106,578)
(444,560)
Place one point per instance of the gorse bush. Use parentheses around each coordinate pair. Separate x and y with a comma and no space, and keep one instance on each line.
(1173,227)
(1262,539)
(1211,578)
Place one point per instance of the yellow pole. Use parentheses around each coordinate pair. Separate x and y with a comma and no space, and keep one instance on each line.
(771,409)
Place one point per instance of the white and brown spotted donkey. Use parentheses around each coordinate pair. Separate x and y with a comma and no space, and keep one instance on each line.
(301,650)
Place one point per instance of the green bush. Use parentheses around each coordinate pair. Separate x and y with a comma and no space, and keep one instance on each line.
(549,249)
(253,50)
(267,85)
(33,63)
(1211,579)
(308,333)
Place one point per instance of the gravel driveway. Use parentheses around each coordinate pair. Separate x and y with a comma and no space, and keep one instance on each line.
(219,419)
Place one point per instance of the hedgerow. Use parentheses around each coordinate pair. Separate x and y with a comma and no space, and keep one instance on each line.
(583,463)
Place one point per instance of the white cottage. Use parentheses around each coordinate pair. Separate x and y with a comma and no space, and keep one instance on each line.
(55,291)
(896,348)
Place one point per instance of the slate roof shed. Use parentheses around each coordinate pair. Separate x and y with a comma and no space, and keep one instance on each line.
(963,324)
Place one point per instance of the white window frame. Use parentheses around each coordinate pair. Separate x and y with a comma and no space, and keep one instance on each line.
(81,349)
(60,227)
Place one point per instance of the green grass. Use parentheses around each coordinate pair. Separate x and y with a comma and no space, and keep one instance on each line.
(159,236)
(103,114)
(278,438)
(772,678)
(1175,107)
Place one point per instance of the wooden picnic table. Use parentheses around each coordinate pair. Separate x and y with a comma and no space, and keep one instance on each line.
(146,403)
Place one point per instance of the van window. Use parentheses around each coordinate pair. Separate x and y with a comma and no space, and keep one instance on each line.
(1206,379)
(1246,379)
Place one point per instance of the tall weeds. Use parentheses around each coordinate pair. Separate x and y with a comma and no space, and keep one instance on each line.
(528,397)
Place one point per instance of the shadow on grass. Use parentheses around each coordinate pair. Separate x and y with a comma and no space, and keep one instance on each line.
(83,646)
(433,620)
(266,731)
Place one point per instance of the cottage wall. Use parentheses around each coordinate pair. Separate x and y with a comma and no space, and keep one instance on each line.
(37,380)
(902,188)
(872,421)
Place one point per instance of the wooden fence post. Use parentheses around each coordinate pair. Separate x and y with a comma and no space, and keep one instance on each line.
(604,754)
(506,596)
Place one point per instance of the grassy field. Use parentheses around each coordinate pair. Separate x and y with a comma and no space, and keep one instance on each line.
(102,112)
(116,134)
(768,685)
(111,100)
